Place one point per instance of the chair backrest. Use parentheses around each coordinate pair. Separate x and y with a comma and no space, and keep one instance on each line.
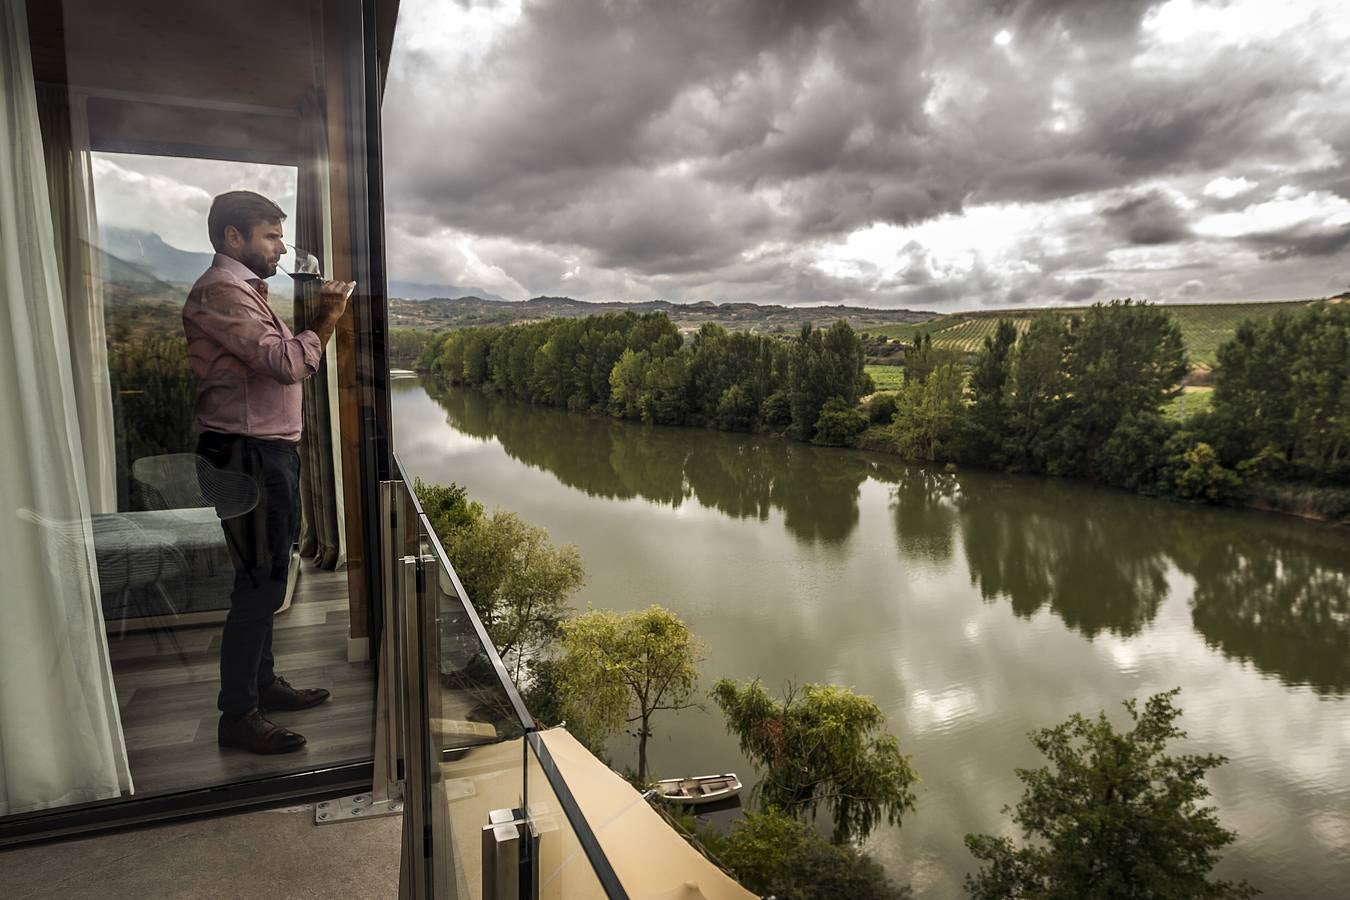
(190,481)
(231,493)
(169,481)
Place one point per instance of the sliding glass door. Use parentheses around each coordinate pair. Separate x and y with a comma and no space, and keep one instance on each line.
(122,122)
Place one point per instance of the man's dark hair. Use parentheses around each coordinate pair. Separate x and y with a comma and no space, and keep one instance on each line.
(243,210)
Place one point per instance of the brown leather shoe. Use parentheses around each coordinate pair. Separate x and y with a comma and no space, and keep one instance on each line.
(280,695)
(254,733)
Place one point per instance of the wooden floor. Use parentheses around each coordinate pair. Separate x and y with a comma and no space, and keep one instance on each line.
(168,703)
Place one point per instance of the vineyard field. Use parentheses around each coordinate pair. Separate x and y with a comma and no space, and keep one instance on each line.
(1203,325)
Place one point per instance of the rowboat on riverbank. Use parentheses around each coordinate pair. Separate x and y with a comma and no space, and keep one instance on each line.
(699,789)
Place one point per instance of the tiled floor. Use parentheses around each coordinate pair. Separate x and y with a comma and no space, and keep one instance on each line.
(277,854)
(168,702)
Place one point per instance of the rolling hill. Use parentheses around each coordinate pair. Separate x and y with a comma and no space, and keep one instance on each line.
(1204,325)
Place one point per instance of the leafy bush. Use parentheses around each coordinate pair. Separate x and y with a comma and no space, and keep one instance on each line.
(1134,456)
(881,408)
(1200,476)
(773,854)
(838,424)
(776,411)
(735,410)
(878,438)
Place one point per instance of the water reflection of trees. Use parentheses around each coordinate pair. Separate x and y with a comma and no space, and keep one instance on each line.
(1277,597)
(1092,559)
(1268,591)
(740,475)
(923,503)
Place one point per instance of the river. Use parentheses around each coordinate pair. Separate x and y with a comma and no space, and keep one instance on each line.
(971,607)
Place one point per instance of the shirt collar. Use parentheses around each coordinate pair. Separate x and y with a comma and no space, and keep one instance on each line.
(234,267)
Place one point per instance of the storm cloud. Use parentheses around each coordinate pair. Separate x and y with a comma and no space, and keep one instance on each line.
(903,153)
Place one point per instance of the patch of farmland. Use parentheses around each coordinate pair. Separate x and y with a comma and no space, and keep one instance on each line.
(886,378)
(1204,326)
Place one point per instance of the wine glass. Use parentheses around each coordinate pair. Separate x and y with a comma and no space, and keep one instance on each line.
(303,266)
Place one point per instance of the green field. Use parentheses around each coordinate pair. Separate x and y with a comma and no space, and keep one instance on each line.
(1190,402)
(1204,325)
(886,378)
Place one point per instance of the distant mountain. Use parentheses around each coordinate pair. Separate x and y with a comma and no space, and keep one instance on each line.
(443,313)
(412,290)
(134,256)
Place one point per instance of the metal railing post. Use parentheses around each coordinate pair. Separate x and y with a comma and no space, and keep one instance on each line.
(386,796)
(417,837)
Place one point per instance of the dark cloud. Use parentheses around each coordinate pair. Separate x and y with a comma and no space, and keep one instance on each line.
(1082,290)
(1301,242)
(1095,20)
(710,147)
(1151,218)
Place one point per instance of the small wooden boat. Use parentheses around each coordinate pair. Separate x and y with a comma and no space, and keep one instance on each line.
(699,789)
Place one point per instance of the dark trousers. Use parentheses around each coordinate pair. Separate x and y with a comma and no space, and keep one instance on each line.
(260,546)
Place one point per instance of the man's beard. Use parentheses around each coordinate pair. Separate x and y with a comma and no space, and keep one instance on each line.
(260,265)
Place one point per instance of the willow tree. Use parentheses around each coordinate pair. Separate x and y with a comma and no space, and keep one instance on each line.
(617,670)
(822,744)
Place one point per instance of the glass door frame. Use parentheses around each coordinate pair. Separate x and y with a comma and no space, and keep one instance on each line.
(366,27)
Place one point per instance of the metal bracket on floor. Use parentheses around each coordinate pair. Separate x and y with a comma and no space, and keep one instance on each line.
(358,806)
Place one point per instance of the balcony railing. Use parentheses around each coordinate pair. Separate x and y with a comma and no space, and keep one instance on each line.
(487,812)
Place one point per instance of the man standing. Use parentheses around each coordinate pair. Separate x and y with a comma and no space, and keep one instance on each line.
(247,412)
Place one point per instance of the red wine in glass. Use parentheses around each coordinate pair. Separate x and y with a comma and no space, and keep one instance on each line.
(304,268)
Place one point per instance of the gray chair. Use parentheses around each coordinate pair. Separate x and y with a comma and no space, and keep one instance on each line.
(184,498)
(189,481)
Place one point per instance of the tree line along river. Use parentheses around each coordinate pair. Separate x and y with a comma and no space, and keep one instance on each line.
(973,607)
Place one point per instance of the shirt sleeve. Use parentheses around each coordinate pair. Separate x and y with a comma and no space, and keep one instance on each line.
(229,316)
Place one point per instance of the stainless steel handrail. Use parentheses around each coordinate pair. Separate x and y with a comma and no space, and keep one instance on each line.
(513,694)
(586,836)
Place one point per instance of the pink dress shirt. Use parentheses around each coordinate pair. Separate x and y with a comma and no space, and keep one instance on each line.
(248,363)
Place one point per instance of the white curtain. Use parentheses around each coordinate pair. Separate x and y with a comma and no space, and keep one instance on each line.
(70,185)
(61,740)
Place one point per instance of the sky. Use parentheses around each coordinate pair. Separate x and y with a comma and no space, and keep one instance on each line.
(925,154)
(937,154)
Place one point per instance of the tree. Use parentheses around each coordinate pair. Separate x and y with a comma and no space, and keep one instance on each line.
(822,365)
(821,746)
(1116,817)
(920,359)
(447,507)
(775,855)
(620,669)
(1282,388)
(625,384)
(838,423)
(929,414)
(152,388)
(518,582)
(1134,456)
(1126,359)
(987,426)
(1037,390)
